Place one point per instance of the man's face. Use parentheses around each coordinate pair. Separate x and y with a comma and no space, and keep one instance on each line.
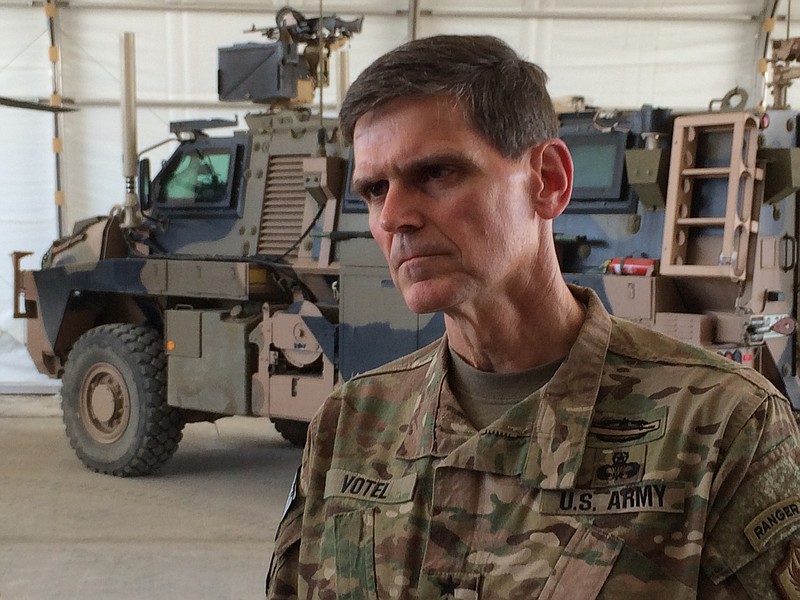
(454,218)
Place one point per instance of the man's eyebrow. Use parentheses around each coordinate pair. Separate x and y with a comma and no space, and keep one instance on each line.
(454,159)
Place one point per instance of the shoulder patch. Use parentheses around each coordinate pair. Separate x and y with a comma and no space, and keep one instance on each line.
(292,493)
(346,484)
(786,574)
(771,521)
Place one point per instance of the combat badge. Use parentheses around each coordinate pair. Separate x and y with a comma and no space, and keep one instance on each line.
(787,574)
(612,430)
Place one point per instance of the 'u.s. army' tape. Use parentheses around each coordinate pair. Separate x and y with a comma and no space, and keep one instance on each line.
(645,496)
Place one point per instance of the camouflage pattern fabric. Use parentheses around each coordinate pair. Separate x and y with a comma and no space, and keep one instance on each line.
(646,468)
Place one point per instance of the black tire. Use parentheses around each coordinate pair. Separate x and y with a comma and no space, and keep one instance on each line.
(114,401)
(294,432)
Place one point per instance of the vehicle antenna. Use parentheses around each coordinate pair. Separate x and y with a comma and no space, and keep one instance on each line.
(320,74)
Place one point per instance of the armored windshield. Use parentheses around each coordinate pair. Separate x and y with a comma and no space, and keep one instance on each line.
(199,177)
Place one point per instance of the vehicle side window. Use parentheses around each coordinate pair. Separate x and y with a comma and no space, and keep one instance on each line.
(199,178)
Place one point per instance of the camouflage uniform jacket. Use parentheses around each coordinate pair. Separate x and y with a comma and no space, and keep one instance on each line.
(645,468)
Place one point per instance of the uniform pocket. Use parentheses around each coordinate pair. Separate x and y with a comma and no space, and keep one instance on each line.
(583,568)
(354,554)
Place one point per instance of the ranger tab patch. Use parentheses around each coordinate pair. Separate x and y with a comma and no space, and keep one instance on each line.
(346,484)
(771,521)
(645,496)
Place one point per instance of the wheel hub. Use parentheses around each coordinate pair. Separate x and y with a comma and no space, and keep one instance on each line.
(105,403)
(102,403)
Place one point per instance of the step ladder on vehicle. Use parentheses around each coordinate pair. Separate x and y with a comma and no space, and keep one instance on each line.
(702,237)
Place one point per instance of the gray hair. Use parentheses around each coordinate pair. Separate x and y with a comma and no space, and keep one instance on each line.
(504,97)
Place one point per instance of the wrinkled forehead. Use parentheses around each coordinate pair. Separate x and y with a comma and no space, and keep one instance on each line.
(404,127)
(411,108)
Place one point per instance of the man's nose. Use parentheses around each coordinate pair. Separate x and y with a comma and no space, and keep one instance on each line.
(401,211)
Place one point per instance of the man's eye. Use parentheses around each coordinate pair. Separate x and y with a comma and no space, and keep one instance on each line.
(436,171)
(375,190)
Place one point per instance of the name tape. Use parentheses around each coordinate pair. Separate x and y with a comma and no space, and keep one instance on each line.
(346,484)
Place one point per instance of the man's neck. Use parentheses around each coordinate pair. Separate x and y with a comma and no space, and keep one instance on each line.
(514,336)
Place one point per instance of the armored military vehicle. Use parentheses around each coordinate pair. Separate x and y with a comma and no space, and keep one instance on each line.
(244,286)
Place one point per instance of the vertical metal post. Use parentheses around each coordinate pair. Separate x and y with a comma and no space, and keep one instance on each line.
(321,134)
(54,52)
(413,19)
(789,20)
(343,79)
(132,216)
(320,63)
(766,25)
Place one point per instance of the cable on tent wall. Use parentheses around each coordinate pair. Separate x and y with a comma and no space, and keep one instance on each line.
(23,51)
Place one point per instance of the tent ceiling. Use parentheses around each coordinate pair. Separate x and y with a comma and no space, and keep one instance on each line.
(679,10)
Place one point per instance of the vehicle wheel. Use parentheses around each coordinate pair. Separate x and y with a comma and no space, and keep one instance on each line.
(294,432)
(114,404)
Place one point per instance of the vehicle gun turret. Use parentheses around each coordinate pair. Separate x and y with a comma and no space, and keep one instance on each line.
(286,71)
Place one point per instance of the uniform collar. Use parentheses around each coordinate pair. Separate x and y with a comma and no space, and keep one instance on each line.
(429,424)
(565,411)
(542,439)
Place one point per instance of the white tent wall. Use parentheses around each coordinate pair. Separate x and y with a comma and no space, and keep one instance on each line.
(27,213)
(621,54)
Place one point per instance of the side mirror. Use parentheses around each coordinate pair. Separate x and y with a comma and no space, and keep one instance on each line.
(143,180)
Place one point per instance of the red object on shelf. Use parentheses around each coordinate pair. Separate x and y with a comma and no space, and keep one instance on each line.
(632,266)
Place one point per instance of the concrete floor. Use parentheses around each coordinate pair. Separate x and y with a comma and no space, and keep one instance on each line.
(202,528)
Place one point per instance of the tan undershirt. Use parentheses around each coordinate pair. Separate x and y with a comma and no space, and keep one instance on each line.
(484,396)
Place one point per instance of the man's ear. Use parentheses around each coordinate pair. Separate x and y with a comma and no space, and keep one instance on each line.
(552,162)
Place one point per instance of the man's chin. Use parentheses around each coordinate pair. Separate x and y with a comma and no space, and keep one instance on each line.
(424,301)
(424,310)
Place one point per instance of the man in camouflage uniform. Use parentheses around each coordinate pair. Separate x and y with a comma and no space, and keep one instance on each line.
(542,448)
